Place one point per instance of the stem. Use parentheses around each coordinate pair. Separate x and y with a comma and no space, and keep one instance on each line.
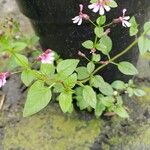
(16,72)
(92,23)
(87,58)
(115,57)
(107,25)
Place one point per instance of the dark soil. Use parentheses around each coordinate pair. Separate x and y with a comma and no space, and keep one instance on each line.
(115,132)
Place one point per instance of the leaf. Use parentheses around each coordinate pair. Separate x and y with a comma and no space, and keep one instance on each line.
(96,57)
(147,27)
(130,91)
(65,101)
(90,67)
(106,89)
(21,60)
(58,88)
(112,4)
(119,100)
(101,20)
(82,73)
(67,67)
(88,44)
(38,97)
(99,31)
(120,111)
(27,77)
(81,103)
(96,81)
(89,96)
(139,92)
(47,69)
(134,27)
(144,45)
(18,46)
(107,101)
(71,81)
(105,45)
(127,68)
(118,85)
(99,109)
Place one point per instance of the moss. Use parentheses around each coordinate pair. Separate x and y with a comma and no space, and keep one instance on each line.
(51,130)
(141,138)
(146,99)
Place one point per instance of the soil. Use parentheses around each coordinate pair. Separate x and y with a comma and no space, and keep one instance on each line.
(50,129)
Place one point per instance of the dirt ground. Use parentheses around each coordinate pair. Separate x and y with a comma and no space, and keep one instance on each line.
(52,130)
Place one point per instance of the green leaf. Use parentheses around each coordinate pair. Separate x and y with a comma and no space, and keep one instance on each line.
(134,26)
(118,85)
(130,91)
(119,100)
(96,81)
(21,60)
(99,109)
(101,20)
(38,97)
(96,57)
(147,27)
(58,88)
(144,45)
(18,46)
(120,111)
(81,103)
(88,44)
(93,1)
(27,77)
(4,44)
(112,4)
(47,69)
(104,45)
(139,92)
(65,101)
(107,101)
(127,68)
(82,73)
(71,81)
(106,89)
(67,67)
(99,31)
(89,96)
(90,67)
(31,39)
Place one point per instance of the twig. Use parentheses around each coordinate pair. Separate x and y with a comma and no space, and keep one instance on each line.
(2,101)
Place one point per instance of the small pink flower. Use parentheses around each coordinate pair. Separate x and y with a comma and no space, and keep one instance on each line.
(101,6)
(124,19)
(79,19)
(47,57)
(3,77)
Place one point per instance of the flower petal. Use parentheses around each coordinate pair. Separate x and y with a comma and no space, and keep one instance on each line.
(107,8)
(126,23)
(80,21)
(101,10)
(126,17)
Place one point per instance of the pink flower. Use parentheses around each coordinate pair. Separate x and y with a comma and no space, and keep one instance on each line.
(3,77)
(124,19)
(79,19)
(47,57)
(101,6)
